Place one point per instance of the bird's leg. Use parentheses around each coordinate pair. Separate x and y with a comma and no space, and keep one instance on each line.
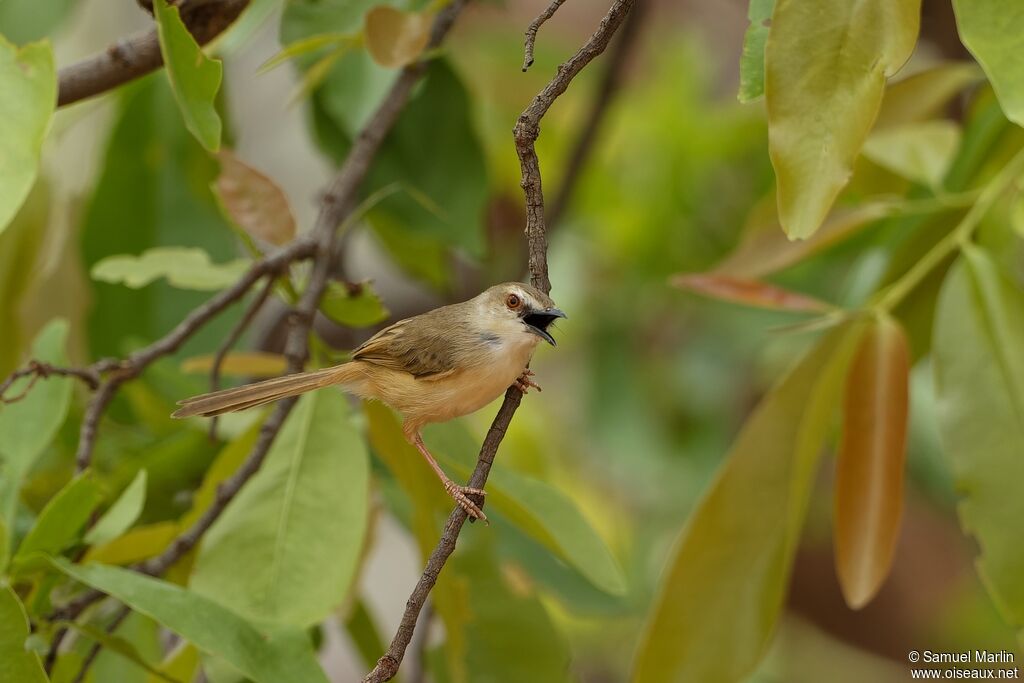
(454,490)
(523,382)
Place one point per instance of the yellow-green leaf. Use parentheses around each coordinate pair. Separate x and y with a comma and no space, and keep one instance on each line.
(395,38)
(194,77)
(62,519)
(28,83)
(353,306)
(925,94)
(239,364)
(17,664)
(826,62)
(979,380)
(122,514)
(725,582)
(869,468)
(993,31)
(921,152)
(752,59)
(253,201)
(184,267)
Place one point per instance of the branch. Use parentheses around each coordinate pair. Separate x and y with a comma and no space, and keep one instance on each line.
(526,132)
(337,205)
(531,32)
(36,370)
(139,54)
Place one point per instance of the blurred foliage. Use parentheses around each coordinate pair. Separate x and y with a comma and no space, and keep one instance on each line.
(629,541)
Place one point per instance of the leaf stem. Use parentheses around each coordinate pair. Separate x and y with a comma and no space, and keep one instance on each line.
(890,297)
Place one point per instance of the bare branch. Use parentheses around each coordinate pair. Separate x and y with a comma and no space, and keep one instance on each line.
(531,31)
(526,132)
(139,54)
(36,370)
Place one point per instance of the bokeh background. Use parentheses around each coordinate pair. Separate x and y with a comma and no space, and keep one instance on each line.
(648,385)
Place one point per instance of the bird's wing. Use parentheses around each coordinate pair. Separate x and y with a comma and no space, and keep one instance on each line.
(414,345)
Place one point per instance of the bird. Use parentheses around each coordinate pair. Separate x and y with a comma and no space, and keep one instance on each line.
(430,368)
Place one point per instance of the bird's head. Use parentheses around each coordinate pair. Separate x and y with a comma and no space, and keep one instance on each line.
(514,307)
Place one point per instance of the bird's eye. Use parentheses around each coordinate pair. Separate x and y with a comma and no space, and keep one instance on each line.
(513,301)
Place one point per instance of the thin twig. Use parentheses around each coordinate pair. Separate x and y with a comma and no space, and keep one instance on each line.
(531,32)
(526,132)
(337,203)
(236,333)
(139,54)
(36,370)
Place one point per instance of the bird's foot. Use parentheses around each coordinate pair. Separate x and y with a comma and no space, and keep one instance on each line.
(523,382)
(459,493)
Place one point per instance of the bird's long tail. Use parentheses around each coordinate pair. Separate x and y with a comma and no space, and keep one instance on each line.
(267,391)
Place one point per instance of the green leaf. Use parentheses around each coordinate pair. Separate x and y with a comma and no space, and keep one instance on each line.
(122,514)
(159,198)
(920,152)
(353,307)
(535,507)
(30,424)
(116,644)
(265,656)
(725,583)
(194,77)
(28,82)
(979,380)
(17,664)
(62,519)
(21,246)
(994,33)
(287,547)
(826,62)
(26,20)
(184,267)
(925,94)
(752,59)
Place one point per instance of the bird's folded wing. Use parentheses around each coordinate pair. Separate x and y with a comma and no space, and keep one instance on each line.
(413,346)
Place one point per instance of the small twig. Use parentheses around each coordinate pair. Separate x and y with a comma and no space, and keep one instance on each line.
(526,132)
(531,32)
(236,333)
(37,370)
(94,651)
(139,54)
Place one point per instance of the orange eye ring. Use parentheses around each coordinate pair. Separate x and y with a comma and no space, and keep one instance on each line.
(513,301)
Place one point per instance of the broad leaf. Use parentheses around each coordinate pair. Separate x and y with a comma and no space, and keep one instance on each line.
(826,63)
(277,656)
(122,647)
(752,60)
(869,469)
(357,306)
(28,95)
(919,152)
(62,519)
(17,664)
(925,94)
(287,547)
(395,38)
(725,583)
(748,292)
(994,33)
(194,77)
(122,514)
(979,380)
(184,267)
(30,424)
(253,201)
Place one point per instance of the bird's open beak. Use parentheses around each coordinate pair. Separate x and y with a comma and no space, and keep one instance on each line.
(538,322)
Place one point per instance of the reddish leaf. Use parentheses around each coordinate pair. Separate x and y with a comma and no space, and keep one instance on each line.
(748,292)
(395,38)
(869,471)
(253,201)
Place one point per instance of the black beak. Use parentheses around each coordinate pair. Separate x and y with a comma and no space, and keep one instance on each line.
(538,322)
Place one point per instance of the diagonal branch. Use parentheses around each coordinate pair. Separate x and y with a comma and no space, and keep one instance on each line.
(526,132)
(139,54)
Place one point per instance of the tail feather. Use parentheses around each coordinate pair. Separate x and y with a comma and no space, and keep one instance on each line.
(259,393)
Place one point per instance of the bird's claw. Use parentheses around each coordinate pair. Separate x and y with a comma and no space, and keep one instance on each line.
(523,382)
(459,493)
